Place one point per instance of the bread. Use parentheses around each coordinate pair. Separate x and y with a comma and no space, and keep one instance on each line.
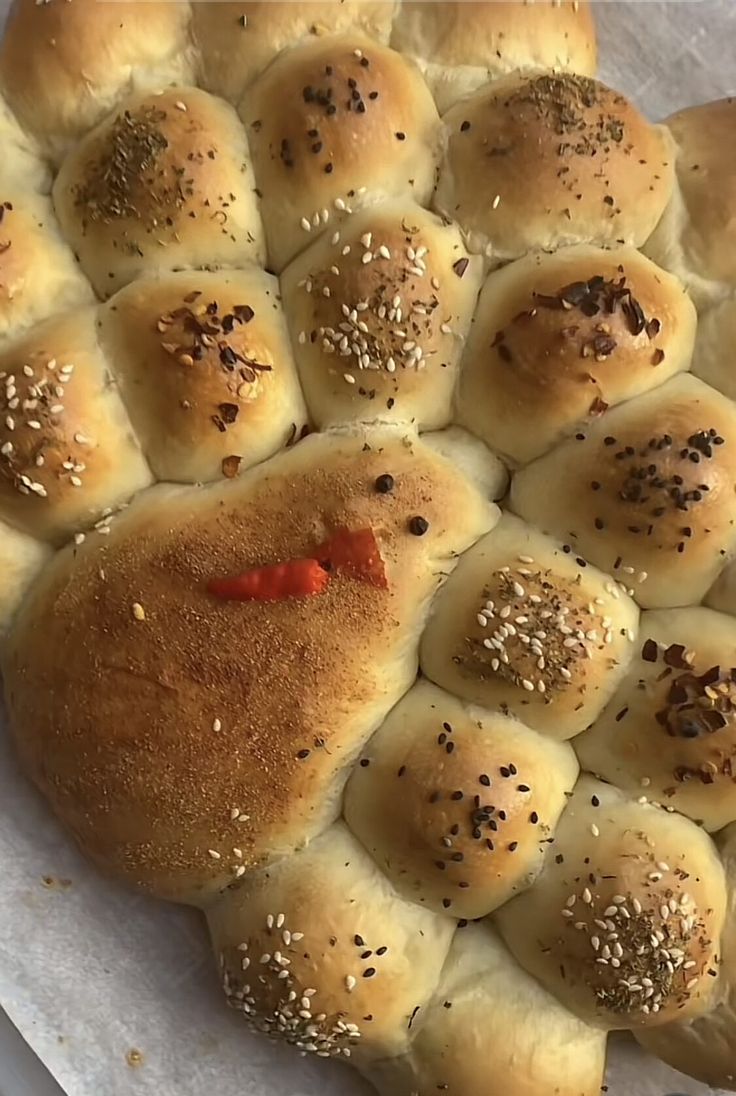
(696,237)
(335,125)
(161,184)
(237,41)
(481,641)
(460,46)
(486,1010)
(629,892)
(379,311)
(204,365)
(552,160)
(647,492)
(558,339)
(368,519)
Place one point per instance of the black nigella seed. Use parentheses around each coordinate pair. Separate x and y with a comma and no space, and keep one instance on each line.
(385,484)
(418,526)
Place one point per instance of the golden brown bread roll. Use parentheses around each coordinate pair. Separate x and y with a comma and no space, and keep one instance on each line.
(646,492)
(527,628)
(460,46)
(335,125)
(558,339)
(623,925)
(552,160)
(204,366)
(457,804)
(379,311)
(84,56)
(238,40)
(21,559)
(668,731)
(360,961)
(194,675)
(163,183)
(491,1030)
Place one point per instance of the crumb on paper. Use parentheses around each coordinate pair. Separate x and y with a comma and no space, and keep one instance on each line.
(134,1058)
(52,883)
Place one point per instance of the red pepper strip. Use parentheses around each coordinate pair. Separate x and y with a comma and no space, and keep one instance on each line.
(275,582)
(355,551)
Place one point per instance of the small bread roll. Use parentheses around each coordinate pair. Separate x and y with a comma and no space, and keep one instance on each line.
(491,1030)
(714,360)
(360,961)
(552,160)
(238,40)
(696,237)
(527,628)
(21,559)
(645,493)
(557,339)
(623,925)
(670,728)
(64,66)
(67,450)
(23,167)
(38,274)
(162,184)
(457,805)
(334,125)
(704,1048)
(722,594)
(471,457)
(379,311)
(459,46)
(204,366)
(165,703)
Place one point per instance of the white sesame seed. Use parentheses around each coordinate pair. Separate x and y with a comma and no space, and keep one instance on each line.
(305,224)
(594,830)
(216,725)
(214,854)
(350,982)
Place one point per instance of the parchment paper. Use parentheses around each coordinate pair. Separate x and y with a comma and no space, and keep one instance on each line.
(90,973)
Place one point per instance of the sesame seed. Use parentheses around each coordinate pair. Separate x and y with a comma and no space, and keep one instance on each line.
(138,611)
(214,854)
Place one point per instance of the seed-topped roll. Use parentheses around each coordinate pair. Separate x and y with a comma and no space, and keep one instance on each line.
(558,339)
(458,805)
(623,925)
(552,160)
(526,627)
(164,183)
(645,492)
(379,311)
(335,125)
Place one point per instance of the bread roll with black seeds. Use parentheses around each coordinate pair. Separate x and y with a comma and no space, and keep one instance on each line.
(460,46)
(164,183)
(458,805)
(360,960)
(558,339)
(64,66)
(624,923)
(669,728)
(552,160)
(238,40)
(335,125)
(523,626)
(491,1030)
(204,365)
(646,492)
(379,311)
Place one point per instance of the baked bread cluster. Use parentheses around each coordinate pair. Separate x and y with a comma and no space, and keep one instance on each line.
(368,519)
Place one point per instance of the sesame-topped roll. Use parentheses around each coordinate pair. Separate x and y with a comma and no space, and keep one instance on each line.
(38,274)
(379,310)
(458,805)
(492,1030)
(205,368)
(238,40)
(526,627)
(670,728)
(459,46)
(164,183)
(63,66)
(67,449)
(557,339)
(320,951)
(624,923)
(552,160)
(645,492)
(334,125)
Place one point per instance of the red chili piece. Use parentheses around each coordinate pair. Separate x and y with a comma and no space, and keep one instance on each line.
(276,582)
(356,552)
